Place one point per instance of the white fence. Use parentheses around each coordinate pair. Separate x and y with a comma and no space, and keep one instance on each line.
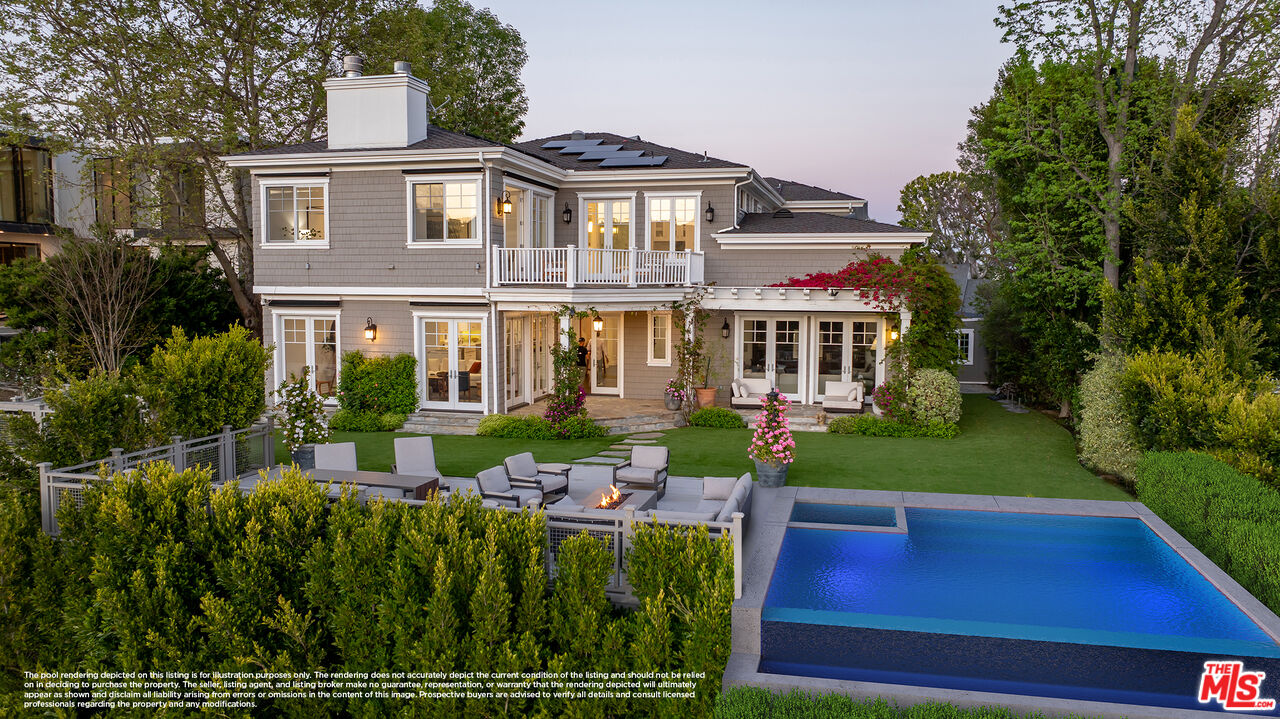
(36,408)
(571,266)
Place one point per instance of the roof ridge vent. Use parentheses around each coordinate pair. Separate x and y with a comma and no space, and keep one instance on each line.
(782,212)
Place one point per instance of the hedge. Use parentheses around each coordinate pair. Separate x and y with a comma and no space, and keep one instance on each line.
(755,703)
(872,426)
(1229,516)
(156,573)
(345,420)
(195,385)
(531,426)
(719,417)
(378,385)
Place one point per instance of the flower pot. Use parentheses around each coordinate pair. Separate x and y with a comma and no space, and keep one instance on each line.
(706,396)
(673,403)
(771,476)
(304,456)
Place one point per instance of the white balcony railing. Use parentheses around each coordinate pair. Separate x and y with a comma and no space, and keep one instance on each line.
(570,266)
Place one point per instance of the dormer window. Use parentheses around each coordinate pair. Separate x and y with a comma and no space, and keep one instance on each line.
(296,213)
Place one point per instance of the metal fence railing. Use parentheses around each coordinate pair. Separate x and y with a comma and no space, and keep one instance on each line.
(8,410)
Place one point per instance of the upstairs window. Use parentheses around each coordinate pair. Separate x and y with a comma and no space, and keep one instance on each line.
(183,200)
(26,185)
(673,223)
(112,193)
(296,213)
(444,211)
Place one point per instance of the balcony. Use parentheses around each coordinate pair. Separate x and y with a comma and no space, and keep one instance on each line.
(573,267)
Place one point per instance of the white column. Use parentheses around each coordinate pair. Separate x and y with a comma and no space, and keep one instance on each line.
(564,331)
(904,319)
(881,342)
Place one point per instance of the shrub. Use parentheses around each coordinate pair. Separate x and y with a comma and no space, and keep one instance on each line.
(495,425)
(934,397)
(91,416)
(301,412)
(505,426)
(1226,514)
(872,426)
(772,442)
(717,417)
(1107,443)
(378,384)
(345,420)
(578,426)
(194,386)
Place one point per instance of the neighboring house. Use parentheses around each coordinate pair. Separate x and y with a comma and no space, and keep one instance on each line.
(38,194)
(398,236)
(973,351)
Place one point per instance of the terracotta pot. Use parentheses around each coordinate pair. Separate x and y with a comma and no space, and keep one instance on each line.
(706,396)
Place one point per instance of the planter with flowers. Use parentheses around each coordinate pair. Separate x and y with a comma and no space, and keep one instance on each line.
(772,447)
(301,419)
(675,394)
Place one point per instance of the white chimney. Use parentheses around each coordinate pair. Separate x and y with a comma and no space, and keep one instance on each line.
(367,111)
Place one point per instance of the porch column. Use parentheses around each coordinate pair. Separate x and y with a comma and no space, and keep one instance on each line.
(882,342)
(564,331)
(904,319)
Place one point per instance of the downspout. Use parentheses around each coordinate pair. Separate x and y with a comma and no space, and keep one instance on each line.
(735,199)
(487,227)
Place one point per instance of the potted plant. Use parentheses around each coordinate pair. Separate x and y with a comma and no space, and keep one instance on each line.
(301,419)
(772,446)
(675,394)
(706,393)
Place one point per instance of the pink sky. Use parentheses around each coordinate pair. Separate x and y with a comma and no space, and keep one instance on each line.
(859,97)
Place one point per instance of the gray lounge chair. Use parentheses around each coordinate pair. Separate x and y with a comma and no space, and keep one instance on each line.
(523,472)
(647,469)
(416,456)
(495,484)
(338,455)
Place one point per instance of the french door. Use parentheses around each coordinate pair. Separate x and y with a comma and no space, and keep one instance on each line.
(308,342)
(606,353)
(772,348)
(451,363)
(514,346)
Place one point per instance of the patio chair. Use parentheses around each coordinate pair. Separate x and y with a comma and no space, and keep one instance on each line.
(523,472)
(647,468)
(495,484)
(338,455)
(416,456)
(843,397)
(747,391)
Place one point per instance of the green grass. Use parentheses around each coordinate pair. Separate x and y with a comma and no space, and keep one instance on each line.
(997,452)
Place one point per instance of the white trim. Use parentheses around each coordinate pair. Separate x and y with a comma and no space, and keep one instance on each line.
(531,191)
(294,182)
(419,352)
(819,205)
(967,360)
(482,213)
(414,293)
(549,298)
(278,314)
(673,195)
(819,240)
(618,361)
(649,318)
(585,197)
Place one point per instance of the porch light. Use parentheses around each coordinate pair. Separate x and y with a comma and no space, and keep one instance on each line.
(506,202)
(724,329)
(567,214)
(710,212)
(597,323)
(893,335)
(370,329)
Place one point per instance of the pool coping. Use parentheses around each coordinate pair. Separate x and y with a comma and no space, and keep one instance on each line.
(770,520)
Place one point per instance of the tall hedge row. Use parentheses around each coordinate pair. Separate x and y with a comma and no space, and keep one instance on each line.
(163,574)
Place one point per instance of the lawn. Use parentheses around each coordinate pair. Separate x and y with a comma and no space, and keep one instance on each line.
(997,452)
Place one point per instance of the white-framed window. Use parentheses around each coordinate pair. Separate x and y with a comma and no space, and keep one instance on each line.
(443,210)
(607,221)
(295,212)
(308,340)
(672,221)
(659,339)
(964,344)
(529,222)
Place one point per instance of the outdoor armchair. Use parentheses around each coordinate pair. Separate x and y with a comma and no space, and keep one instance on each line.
(416,456)
(523,471)
(647,468)
(338,455)
(495,484)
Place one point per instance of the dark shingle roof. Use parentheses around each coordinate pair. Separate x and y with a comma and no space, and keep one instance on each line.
(676,159)
(800,192)
(770,223)
(437,138)
(968,289)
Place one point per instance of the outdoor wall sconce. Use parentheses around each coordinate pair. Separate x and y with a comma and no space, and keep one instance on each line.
(893,335)
(724,329)
(833,291)
(567,214)
(710,212)
(597,324)
(506,202)
(370,330)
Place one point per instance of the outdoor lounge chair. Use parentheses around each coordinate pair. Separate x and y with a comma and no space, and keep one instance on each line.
(647,469)
(338,455)
(495,484)
(416,456)
(747,391)
(843,397)
(523,472)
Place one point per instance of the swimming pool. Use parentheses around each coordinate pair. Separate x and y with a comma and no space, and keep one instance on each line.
(1075,607)
(852,514)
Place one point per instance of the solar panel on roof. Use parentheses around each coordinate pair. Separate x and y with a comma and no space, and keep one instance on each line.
(576,149)
(634,161)
(604,153)
(553,144)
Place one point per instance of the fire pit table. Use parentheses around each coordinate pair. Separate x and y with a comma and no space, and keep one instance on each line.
(637,499)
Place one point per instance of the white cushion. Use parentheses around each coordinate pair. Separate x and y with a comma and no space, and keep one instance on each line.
(726,514)
(568,504)
(705,505)
(659,515)
(755,385)
(718,487)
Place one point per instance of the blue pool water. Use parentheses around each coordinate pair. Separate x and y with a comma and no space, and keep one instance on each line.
(844,514)
(1084,580)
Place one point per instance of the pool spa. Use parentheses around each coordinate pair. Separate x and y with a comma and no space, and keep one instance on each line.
(1033,603)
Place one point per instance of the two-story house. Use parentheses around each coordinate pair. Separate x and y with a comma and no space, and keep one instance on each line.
(398,236)
(39,193)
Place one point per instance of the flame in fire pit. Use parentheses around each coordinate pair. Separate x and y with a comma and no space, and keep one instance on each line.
(611,499)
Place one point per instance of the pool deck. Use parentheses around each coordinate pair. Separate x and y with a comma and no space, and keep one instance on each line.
(769,521)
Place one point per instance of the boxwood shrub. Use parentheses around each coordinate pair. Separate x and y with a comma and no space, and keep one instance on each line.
(345,420)
(719,417)
(378,385)
(873,426)
(532,426)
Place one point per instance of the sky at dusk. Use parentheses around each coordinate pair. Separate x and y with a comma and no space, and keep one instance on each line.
(859,96)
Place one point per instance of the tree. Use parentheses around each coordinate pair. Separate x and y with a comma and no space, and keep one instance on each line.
(1212,42)
(962,212)
(169,87)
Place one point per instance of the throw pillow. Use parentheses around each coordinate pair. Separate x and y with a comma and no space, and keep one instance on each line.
(718,487)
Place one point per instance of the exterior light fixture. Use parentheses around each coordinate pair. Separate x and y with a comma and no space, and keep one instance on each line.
(724,329)
(833,291)
(567,214)
(597,323)
(370,330)
(506,202)
(710,212)
(893,335)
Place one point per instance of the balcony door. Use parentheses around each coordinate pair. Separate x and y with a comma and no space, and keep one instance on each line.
(451,363)
(772,348)
(608,236)
(605,372)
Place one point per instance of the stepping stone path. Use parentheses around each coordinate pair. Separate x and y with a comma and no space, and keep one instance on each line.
(600,460)
(626,447)
(1012,406)
(615,453)
(646,435)
(632,442)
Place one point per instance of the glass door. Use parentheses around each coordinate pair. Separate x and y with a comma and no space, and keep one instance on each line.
(606,354)
(832,355)
(608,228)
(515,230)
(310,342)
(452,354)
(542,324)
(513,337)
(772,348)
